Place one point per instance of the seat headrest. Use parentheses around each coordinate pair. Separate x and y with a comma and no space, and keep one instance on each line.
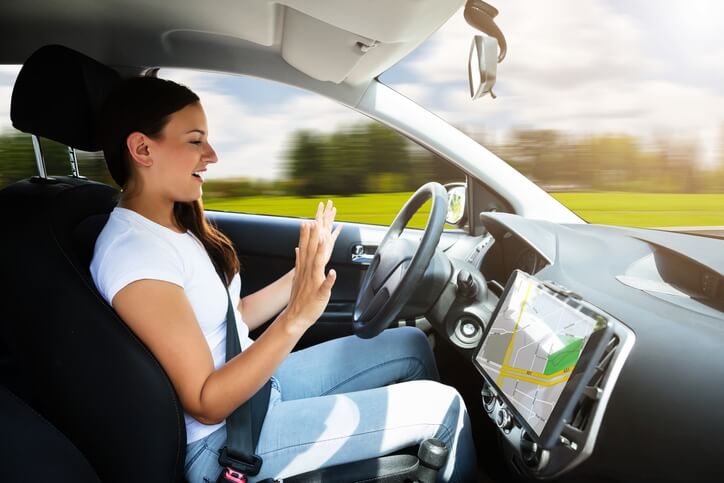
(59,94)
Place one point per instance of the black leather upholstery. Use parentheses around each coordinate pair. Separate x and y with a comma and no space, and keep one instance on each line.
(70,356)
(63,350)
(37,451)
(59,94)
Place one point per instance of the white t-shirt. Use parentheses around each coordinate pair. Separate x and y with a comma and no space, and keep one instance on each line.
(131,247)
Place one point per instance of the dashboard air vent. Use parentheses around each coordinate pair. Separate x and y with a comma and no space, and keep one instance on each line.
(582,411)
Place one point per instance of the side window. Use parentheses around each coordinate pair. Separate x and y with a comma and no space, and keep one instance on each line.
(281,150)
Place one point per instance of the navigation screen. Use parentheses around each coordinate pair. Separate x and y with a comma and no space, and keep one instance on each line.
(533,346)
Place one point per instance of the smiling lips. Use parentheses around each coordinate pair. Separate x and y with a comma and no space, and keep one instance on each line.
(198,174)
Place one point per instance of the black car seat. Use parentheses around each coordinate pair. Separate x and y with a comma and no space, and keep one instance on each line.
(63,350)
(34,450)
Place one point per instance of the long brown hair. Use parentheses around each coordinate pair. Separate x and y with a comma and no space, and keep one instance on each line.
(145,104)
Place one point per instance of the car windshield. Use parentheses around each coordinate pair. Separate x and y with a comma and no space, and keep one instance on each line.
(616,112)
(613,108)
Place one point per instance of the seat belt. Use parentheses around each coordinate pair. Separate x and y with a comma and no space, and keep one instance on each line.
(243,426)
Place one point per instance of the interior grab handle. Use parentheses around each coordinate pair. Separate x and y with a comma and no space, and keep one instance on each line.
(363,254)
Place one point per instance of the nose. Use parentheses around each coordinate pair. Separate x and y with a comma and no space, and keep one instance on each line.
(210,154)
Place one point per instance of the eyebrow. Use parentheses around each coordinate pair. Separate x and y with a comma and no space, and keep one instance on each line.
(203,133)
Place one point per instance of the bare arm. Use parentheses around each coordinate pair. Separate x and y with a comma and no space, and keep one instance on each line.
(169,328)
(262,305)
(265,303)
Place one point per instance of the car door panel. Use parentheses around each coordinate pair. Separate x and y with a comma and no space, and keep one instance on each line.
(265,245)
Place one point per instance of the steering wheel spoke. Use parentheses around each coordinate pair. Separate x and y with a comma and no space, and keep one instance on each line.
(399,264)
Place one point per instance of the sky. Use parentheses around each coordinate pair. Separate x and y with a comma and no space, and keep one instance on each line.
(647,68)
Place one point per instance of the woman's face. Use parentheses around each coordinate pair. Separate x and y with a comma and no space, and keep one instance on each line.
(180,155)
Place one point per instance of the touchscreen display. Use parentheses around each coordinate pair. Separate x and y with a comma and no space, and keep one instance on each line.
(532,347)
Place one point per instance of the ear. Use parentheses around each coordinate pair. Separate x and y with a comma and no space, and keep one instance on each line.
(137,144)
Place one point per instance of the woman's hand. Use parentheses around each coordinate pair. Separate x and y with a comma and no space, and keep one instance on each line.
(311,289)
(325,219)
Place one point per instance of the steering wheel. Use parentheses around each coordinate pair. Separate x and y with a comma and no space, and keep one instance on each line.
(398,265)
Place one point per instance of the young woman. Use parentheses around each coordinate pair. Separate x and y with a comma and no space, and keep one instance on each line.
(341,401)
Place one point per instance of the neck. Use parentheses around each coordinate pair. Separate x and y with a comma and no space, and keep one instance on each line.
(157,210)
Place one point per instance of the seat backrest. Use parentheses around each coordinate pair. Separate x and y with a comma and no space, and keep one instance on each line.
(66,352)
(37,450)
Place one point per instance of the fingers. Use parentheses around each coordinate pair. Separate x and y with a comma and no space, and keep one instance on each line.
(313,239)
(329,281)
(325,214)
(303,237)
(329,213)
(320,213)
(303,249)
(316,241)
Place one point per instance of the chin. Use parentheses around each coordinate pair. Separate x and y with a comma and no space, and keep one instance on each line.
(189,197)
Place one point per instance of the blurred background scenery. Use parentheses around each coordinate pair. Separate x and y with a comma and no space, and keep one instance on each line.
(612,106)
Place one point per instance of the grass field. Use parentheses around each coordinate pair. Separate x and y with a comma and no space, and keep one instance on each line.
(647,209)
(627,209)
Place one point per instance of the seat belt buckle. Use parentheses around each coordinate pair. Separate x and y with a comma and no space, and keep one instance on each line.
(229,475)
(234,465)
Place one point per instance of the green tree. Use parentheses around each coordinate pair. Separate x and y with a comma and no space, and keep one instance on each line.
(302,163)
(18,159)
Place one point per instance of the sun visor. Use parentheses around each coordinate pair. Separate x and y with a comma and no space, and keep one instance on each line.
(319,49)
(59,94)
(325,42)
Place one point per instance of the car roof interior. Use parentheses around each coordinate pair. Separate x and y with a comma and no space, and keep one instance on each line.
(314,44)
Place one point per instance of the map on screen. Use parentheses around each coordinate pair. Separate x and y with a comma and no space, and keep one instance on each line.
(533,345)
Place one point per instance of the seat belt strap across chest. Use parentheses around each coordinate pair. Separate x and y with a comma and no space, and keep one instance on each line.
(243,426)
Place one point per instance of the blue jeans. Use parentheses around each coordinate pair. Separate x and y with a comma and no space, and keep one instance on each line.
(351,399)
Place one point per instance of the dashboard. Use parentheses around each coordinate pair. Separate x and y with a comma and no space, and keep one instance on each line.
(656,386)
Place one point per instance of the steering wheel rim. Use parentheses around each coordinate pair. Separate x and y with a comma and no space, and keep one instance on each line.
(399,264)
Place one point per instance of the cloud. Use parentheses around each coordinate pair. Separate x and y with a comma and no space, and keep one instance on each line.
(556,43)
(584,67)
(598,66)
(251,139)
(8,73)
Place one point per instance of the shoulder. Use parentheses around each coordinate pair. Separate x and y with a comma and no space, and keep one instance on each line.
(122,240)
(125,252)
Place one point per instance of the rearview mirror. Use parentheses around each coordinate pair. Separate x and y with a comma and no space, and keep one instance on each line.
(485,52)
(482,66)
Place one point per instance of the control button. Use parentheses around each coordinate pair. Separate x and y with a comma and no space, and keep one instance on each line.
(489,398)
(469,329)
(531,453)
(466,284)
(504,420)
